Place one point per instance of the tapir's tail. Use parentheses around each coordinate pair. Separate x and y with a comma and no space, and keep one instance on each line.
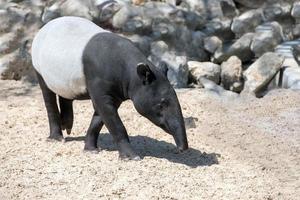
(66,114)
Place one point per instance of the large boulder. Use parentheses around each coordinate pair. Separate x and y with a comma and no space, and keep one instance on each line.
(211,44)
(276,11)
(240,48)
(247,22)
(232,74)
(207,70)
(266,38)
(261,72)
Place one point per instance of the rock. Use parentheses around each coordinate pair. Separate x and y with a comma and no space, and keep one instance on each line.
(261,72)
(296,10)
(266,38)
(158,48)
(232,74)
(220,28)
(240,48)
(211,44)
(213,8)
(217,90)
(289,51)
(208,70)
(142,42)
(107,9)
(296,31)
(246,22)
(122,16)
(276,11)
(177,69)
(138,2)
(291,78)
(251,4)
(15,65)
(85,9)
(9,42)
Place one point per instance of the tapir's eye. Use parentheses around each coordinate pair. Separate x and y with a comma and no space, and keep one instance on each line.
(163,104)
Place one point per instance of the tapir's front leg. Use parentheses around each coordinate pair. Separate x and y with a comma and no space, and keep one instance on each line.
(107,108)
(91,137)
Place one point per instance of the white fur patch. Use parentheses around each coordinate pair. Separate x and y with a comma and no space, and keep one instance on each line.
(57,54)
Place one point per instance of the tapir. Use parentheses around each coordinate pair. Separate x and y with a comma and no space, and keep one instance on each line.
(76,60)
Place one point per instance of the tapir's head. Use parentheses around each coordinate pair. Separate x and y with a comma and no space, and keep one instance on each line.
(156,99)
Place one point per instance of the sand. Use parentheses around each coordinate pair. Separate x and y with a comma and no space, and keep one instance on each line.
(243,148)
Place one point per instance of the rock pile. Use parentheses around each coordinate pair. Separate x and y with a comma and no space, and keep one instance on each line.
(228,42)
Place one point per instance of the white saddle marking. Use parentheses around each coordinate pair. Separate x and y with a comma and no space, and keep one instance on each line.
(57,54)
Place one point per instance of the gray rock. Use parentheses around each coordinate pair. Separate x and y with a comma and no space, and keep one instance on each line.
(9,42)
(296,10)
(158,48)
(85,9)
(123,15)
(142,42)
(291,78)
(217,90)
(221,28)
(246,22)
(251,4)
(266,38)
(107,9)
(232,74)
(276,11)
(289,50)
(240,48)
(207,70)
(261,72)
(177,69)
(211,44)
(296,31)
(213,8)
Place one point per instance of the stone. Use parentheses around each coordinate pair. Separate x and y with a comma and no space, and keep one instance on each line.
(273,12)
(289,50)
(217,90)
(107,9)
(211,9)
(232,74)
(122,16)
(261,72)
(9,42)
(266,38)
(220,28)
(251,4)
(208,70)
(291,78)
(142,42)
(296,10)
(177,69)
(246,22)
(158,48)
(211,44)
(240,48)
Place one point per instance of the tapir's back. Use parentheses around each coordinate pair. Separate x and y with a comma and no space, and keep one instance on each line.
(57,54)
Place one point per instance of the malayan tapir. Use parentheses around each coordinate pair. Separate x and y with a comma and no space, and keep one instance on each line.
(75,59)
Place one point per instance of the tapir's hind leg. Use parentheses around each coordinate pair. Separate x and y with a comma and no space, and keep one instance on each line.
(52,110)
(91,137)
(66,114)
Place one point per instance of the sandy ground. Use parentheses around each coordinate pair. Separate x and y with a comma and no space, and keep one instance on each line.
(240,149)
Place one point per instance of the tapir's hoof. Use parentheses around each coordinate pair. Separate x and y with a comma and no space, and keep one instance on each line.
(57,138)
(68,131)
(128,158)
(93,150)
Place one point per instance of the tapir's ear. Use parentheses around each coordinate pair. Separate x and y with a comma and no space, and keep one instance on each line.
(145,73)
(163,66)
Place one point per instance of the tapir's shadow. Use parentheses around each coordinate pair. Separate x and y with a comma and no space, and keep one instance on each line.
(146,146)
